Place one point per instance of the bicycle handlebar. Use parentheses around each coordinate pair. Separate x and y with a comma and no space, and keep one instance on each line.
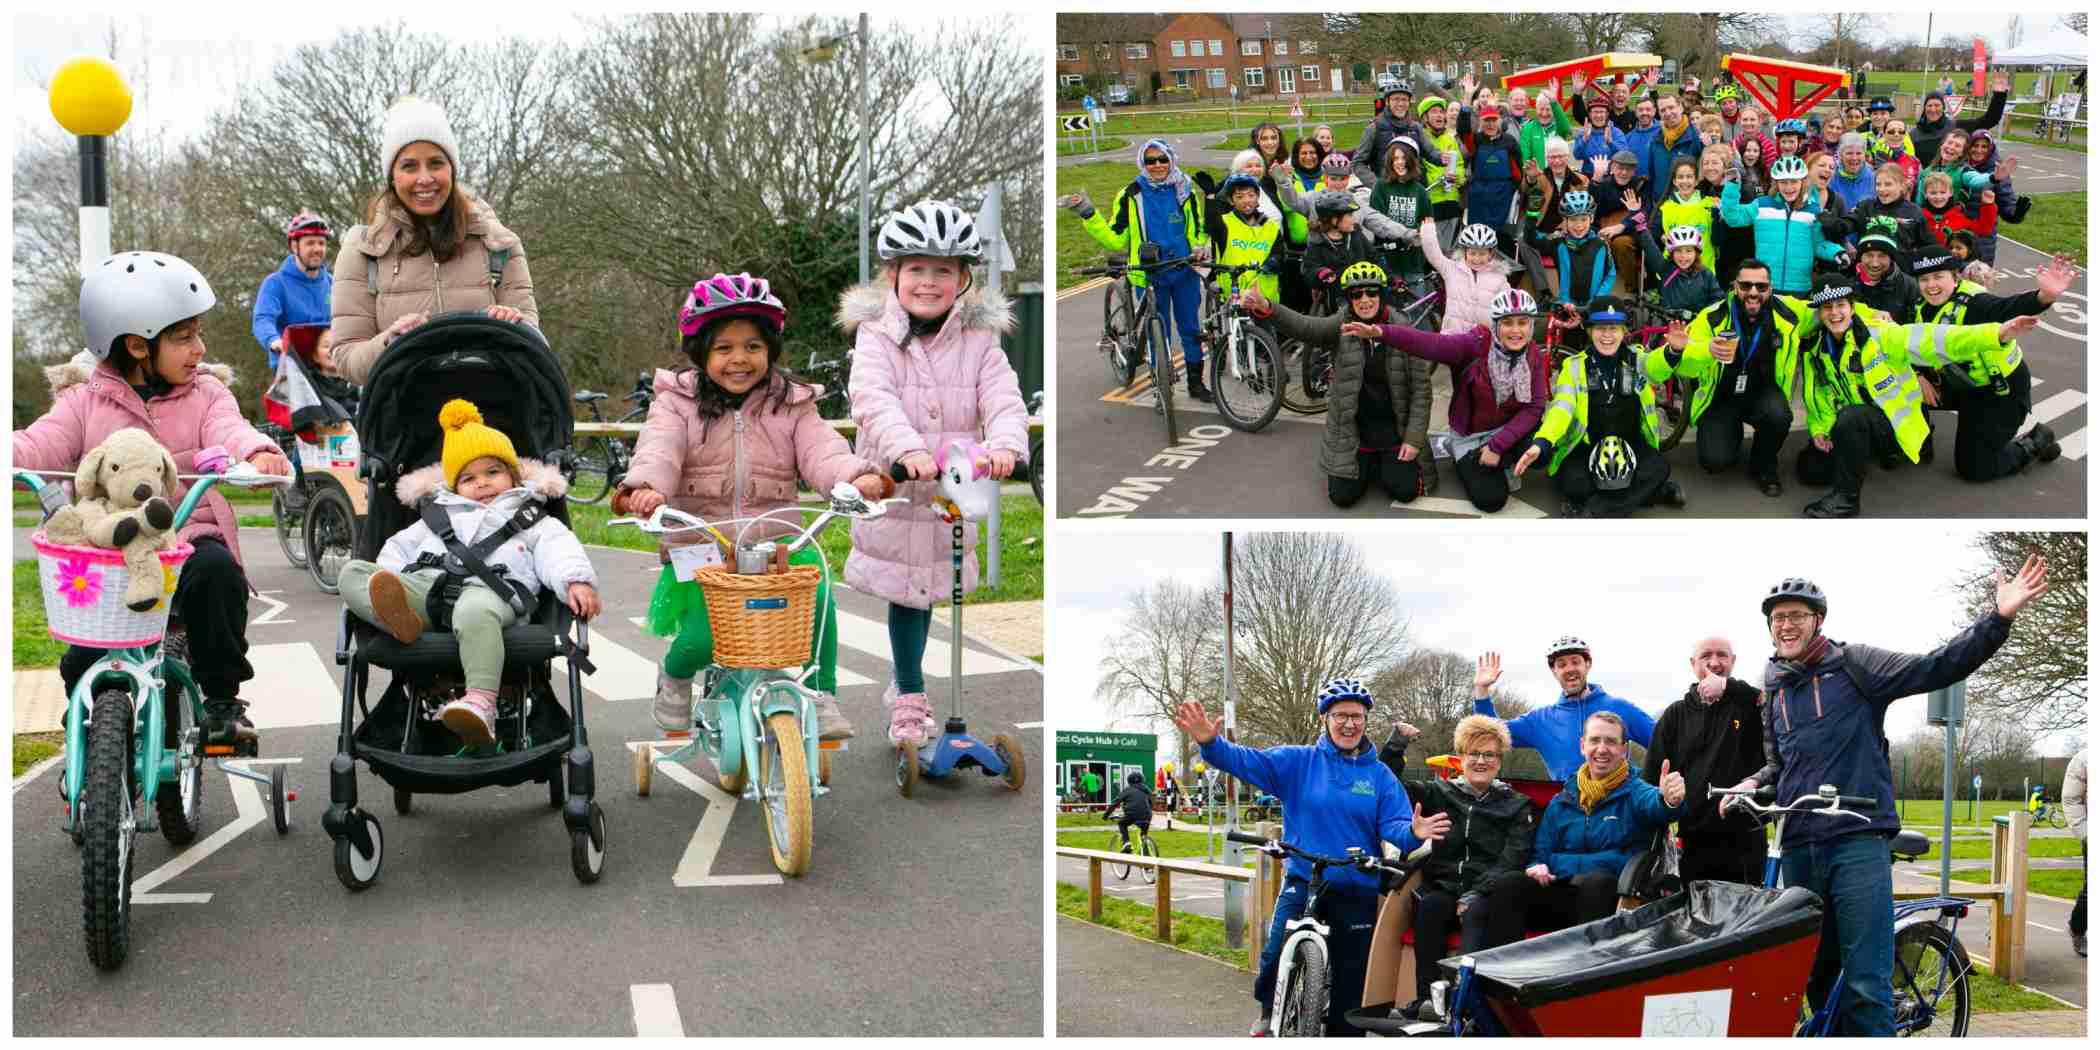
(1119,269)
(1825,800)
(1277,847)
(898,472)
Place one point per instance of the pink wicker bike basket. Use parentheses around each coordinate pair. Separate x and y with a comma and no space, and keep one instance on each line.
(84,594)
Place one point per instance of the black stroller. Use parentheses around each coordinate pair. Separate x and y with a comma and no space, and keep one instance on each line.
(509,372)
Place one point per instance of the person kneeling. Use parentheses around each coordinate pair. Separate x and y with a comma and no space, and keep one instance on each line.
(1604,405)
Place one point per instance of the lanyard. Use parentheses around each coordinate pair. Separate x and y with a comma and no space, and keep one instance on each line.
(1756,332)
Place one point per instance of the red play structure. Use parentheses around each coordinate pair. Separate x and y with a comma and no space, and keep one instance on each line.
(1785,89)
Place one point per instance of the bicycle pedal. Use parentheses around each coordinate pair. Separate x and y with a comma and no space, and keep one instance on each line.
(219,750)
(677,734)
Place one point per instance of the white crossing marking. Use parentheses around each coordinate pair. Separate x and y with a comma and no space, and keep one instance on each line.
(287,690)
(621,673)
(655,1012)
(1028,725)
(695,866)
(1445,505)
(847,676)
(2053,406)
(269,616)
(873,636)
(247,801)
(2074,444)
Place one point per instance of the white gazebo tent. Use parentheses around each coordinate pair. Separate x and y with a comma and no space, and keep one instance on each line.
(2061,48)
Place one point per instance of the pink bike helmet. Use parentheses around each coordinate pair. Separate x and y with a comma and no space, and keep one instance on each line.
(730,295)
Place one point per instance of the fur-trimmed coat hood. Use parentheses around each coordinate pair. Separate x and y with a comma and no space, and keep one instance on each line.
(543,556)
(90,401)
(976,309)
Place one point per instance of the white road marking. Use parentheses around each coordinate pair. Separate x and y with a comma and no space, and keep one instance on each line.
(2039,926)
(1445,505)
(696,865)
(248,801)
(2053,406)
(270,616)
(1028,725)
(285,687)
(655,1012)
(873,636)
(2074,444)
(621,673)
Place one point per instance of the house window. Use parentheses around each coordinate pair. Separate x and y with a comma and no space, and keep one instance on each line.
(1392,69)
(1283,47)
(1286,80)
(1250,47)
(1068,52)
(1469,67)
(1310,73)
(1181,77)
(1179,49)
(1195,48)
(1215,76)
(1430,65)
(1307,47)
(1488,66)
(1255,76)
(1105,51)
(1069,80)
(1217,48)
(1137,51)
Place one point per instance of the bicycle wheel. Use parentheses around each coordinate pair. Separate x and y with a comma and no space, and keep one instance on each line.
(2057,818)
(1247,380)
(1931,982)
(111,830)
(1151,850)
(594,460)
(784,791)
(291,531)
(1301,1007)
(1681,414)
(331,535)
(180,803)
(1118,331)
(1122,870)
(1036,452)
(1160,352)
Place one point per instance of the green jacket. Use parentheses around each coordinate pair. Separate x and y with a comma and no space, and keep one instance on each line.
(1531,138)
(1236,243)
(1127,231)
(1873,362)
(1789,316)
(1447,144)
(1567,420)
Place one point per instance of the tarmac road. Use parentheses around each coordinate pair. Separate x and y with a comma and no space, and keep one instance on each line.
(476,926)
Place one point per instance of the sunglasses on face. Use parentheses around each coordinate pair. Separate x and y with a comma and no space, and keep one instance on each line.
(1753,286)
(1364,293)
(1155,160)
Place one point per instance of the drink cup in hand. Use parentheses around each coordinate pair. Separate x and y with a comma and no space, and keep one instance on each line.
(1724,348)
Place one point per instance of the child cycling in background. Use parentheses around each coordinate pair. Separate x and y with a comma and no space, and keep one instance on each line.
(1136,804)
(142,314)
(927,370)
(729,438)
(484,491)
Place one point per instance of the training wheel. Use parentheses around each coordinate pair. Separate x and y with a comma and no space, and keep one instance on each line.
(643,766)
(280,801)
(907,769)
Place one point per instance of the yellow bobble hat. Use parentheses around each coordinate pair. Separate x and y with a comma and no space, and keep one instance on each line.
(467,439)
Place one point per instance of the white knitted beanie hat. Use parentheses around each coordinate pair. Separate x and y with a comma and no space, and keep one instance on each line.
(415,119)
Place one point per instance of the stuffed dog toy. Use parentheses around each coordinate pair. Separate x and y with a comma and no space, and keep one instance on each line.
(120,502)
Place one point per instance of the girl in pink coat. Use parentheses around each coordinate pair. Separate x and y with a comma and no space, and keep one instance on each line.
(142,313)
(927,369)
(728,439)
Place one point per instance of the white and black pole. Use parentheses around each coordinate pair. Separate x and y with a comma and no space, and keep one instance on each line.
(94,200)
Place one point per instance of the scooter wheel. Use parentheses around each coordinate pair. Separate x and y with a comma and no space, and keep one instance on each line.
(280,806)
(824,768)
(1009,751)
(907,769)
(643,766)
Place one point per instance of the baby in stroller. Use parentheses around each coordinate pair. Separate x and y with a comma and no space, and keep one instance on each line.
(483,497)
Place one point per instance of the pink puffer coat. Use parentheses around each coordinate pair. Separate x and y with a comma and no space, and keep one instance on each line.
(91,401)
(741,464)
(1467,295)
(917,398)
(411,284)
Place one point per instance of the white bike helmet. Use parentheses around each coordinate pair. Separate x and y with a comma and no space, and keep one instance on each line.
(1477,235)
(1789,167)
(1611,463)
(1682,237)
(141,294)
(1566,643)
(1514,303)
(934,228)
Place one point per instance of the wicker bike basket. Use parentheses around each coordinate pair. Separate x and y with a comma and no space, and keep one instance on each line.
(83,591)
(764,621)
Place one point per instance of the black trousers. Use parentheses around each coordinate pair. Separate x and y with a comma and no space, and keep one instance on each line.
(1291,286)
(1728,857)
(1861,435)
(1398,479)
(2078,909)
(1513,903)
(1720,436)
(1576,485)
(1986,423)
(1436,915)
(211,600)
(1487,487)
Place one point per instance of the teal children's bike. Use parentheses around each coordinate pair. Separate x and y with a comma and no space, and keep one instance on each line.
(755,714)
(135,749)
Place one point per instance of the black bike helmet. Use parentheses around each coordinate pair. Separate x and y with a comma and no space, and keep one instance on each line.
(1796,589)
(1135,780)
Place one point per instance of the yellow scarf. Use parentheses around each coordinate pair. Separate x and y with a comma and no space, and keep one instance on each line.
(1589,792)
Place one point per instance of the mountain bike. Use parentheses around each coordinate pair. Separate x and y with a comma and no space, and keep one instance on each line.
(1303,976)
(602,459)
(1246,365)
(1153,332)
(1118,343)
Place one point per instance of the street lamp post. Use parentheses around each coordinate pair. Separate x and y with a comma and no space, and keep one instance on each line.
(825,51)
(89,99)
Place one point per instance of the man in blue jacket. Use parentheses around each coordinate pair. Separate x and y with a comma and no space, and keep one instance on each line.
(1556,730)
(1336,794)
(1825,702)
(298,291)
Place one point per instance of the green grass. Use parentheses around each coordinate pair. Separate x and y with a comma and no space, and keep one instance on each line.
(2021,129)
(233,494)
(31,748)
(1175,843)
(1980,848)
(1989,995)
(33,647)
(1101,180)
(1200,934)
(1917,82)
(1925,812)
(1071,145)
(1220,117)
(1346,136)
(2055,224)
(2051,882)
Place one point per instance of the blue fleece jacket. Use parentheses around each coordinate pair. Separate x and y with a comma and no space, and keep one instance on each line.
(1331,801)
(1850,191)
(1571,842)
(1556,730)
(290,297)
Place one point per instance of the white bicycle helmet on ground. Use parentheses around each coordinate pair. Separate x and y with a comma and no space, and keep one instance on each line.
(934,228)
(141,294)
(1477,235)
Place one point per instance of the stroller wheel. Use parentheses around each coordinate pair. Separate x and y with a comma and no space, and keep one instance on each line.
(404,800)
(357,869)
(587,848)
(1009,750)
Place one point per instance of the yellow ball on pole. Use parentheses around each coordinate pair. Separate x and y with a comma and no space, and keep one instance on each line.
(89,97)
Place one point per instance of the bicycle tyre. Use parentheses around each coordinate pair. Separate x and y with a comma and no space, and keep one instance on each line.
(2057,818)
(1260,381)
(291,533)
(594,465)
(331,536)
(1036,452)
(1150,849)
(1118,327)
(179,802)
(1947,968)
(110,831)
(1681,419)
(1160,352)
(784,793)
(1301,1009)
(1122,870)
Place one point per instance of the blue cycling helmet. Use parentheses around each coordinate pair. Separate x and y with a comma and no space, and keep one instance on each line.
(1235,181)
(1577,202)
(1344,689)
(1790,126)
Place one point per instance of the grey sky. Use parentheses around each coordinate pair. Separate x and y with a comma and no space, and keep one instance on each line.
(1641,598)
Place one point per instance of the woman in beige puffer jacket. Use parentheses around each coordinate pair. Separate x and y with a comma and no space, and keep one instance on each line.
(427,247)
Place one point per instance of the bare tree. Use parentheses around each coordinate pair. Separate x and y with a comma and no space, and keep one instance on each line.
(1309,607)
(2038,679)
(1598,29)
(1168,652)
(2075,22)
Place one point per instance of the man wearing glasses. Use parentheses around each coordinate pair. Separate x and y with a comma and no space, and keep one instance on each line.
(1732,350)
(1825,703)
(1714,735)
